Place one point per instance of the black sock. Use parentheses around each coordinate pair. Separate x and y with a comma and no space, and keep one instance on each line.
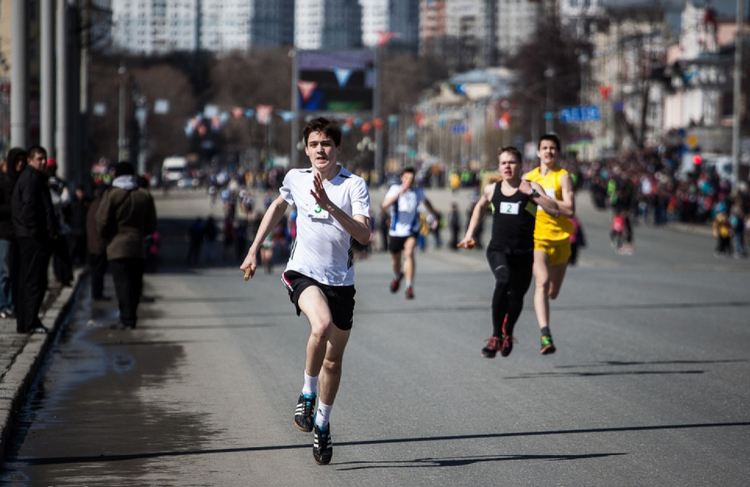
(545,332)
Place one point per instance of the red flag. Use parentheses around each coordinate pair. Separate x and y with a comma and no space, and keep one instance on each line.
(306,88)
(384,37)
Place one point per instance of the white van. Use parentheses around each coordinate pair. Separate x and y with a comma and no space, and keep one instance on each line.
(174,169)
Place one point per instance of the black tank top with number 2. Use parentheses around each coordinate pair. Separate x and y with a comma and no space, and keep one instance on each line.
(513,219)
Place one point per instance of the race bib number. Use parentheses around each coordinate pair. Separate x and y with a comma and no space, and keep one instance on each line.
(509,208)
(318,213)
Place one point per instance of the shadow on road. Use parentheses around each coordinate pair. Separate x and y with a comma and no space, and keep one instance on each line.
(457,461)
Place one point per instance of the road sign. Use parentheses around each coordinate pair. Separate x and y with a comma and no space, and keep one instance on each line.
(579,114)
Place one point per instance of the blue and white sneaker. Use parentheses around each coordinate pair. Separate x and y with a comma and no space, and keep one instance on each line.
(303,415)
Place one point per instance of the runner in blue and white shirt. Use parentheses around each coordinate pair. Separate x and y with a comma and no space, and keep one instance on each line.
(333,207)
(404,200)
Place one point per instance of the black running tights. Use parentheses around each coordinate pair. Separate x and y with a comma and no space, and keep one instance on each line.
(512,279)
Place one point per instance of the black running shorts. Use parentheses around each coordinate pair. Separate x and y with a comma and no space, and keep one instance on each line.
(340,298)
(396,244)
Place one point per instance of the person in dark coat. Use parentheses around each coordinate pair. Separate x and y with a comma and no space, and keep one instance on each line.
(125,216)
(61,265)
(97,249)
(35,225)
(14,164)
(77,210)
(454,221)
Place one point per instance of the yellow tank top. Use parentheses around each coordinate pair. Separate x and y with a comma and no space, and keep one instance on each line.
(547,227)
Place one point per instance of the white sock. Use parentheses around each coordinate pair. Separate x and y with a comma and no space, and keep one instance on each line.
(311,385)
(323,415)
(408,284)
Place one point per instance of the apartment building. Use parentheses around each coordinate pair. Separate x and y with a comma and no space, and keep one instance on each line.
(327,24)
(161,26)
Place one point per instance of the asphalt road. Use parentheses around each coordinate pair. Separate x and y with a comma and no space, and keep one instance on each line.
(649,385)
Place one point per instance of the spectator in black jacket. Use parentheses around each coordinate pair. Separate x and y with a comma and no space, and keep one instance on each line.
(13,164)
(36,228)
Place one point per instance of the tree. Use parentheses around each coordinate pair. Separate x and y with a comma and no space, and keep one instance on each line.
(548,68)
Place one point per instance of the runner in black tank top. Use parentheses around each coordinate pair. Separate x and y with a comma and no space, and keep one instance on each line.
(511,249)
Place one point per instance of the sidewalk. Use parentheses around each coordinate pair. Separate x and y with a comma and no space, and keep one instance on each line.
(21,356)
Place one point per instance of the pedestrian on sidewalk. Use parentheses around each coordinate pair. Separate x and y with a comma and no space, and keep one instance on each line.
(510,252)
(454,221)
(13,164)
(97,248)
(722,229)
(36,229)
(126,215)
(333,207)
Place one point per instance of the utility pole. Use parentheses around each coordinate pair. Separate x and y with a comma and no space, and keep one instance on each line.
(47,75)
(122,143)
(294,150)
(19,76)
(737,96)
(376,113)
(63,117)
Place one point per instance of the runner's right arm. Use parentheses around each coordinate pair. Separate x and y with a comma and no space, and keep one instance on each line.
(273,216)
(476,215)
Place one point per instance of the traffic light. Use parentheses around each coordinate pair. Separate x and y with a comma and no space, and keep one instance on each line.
(697,160)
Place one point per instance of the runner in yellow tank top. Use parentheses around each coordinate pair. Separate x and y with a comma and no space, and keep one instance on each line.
(551,235)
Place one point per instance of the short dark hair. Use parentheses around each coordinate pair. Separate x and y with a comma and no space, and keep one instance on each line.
(124,168)
(34,150)
(554,138)
(512,151)
(323,125)
(408,169)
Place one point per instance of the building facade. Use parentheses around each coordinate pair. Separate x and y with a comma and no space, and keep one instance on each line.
(162,26)
(327,24)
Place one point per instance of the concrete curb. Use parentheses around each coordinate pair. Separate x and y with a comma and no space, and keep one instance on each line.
(17,381)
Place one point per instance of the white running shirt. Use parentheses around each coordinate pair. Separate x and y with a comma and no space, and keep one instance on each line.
(404,214)
(323,249)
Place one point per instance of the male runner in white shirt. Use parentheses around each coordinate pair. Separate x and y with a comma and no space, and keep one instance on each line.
(404,200)
(333,206)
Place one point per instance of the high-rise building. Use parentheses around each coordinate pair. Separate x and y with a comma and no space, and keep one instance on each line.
(328,24)
(517,23)
(581,16)
(403,21)
(400,17)
(160,26)
(154,26)
(374,20)
(272,23)
(433,26)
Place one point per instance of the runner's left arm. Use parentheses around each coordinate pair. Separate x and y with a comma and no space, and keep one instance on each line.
(568,203)
(358,226)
